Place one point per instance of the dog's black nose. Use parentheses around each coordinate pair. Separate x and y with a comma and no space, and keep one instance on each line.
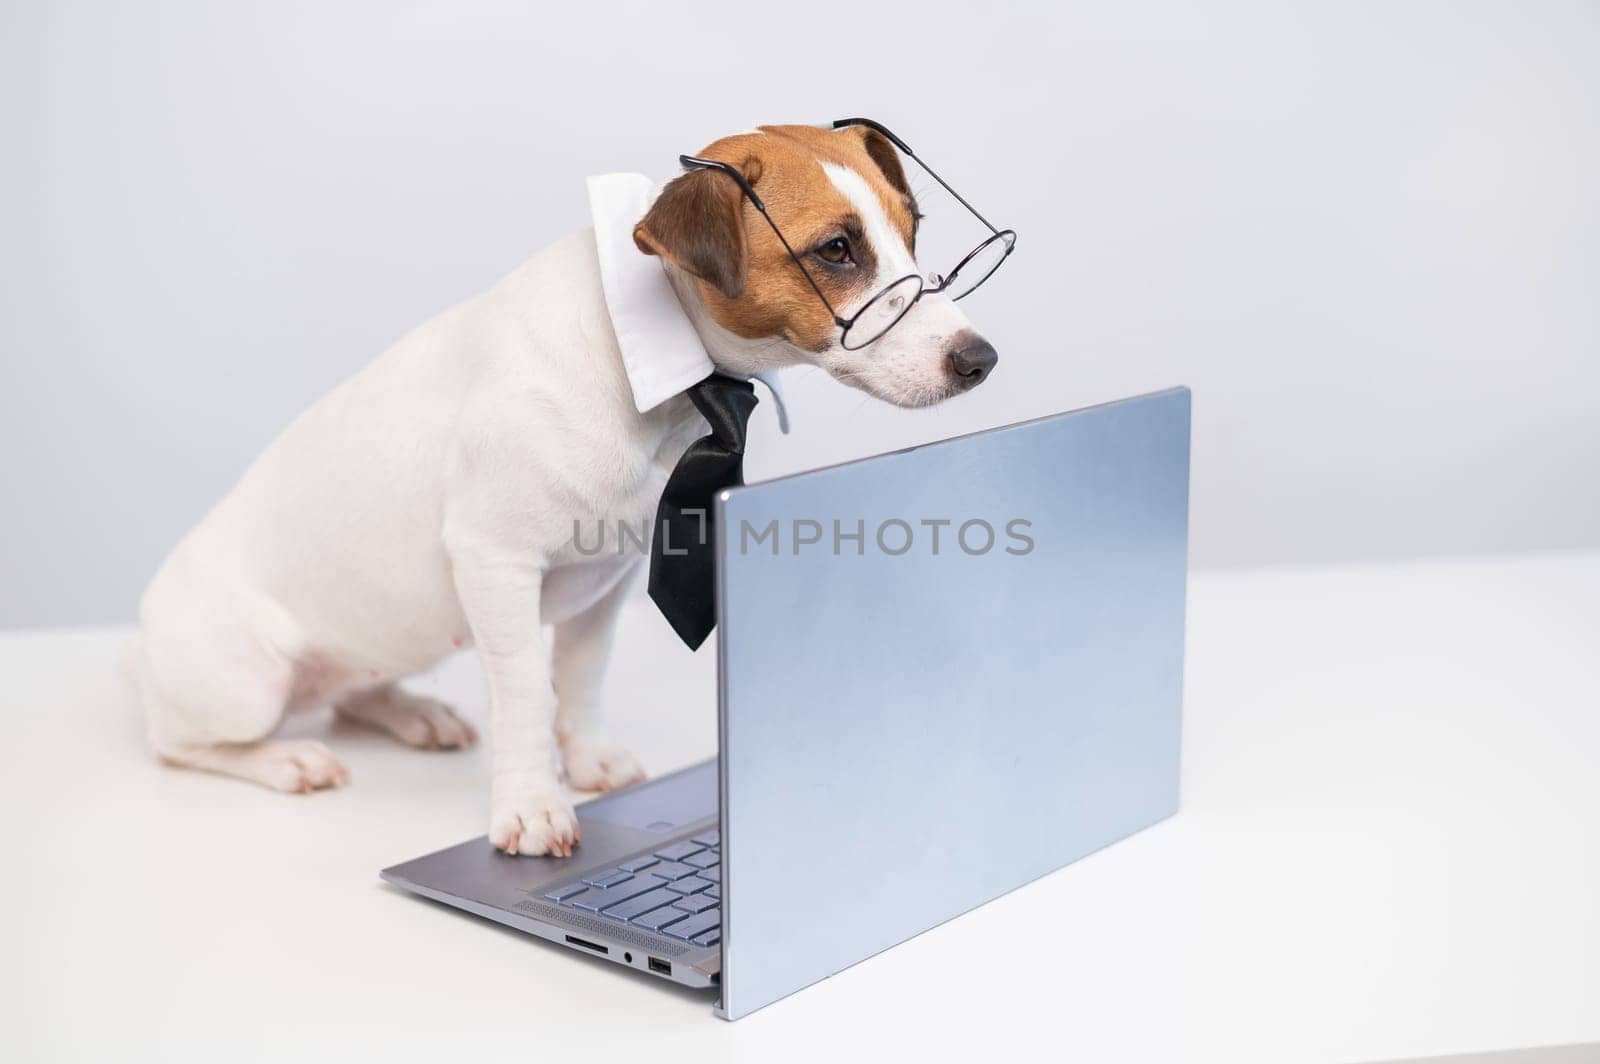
(972,360)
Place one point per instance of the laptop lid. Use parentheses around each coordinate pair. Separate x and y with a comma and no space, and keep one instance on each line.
(912,726)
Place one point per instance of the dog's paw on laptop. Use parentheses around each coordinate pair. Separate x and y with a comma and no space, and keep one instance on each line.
(596,763)
(533,821)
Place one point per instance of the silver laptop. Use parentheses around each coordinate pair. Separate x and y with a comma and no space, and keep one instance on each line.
(943,673)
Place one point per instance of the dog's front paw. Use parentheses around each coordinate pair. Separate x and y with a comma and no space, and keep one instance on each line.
(595,763)
(533,821)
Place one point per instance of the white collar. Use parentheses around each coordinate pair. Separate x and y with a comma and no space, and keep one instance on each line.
(661,351)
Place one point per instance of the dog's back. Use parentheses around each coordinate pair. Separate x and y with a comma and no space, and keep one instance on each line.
(324,568)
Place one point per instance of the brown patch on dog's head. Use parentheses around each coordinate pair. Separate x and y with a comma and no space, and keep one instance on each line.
(703,224)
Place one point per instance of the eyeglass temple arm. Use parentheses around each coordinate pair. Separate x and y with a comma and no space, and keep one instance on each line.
(690,162)
(840,123)
(903,146)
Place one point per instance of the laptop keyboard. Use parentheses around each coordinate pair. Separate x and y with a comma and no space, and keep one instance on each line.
(675,891)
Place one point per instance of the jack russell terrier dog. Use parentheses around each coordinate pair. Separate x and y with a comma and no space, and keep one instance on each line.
(429,503)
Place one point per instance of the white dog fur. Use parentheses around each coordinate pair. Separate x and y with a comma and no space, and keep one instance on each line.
(428,504)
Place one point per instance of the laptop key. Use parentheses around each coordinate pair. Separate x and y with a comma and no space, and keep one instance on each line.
(714,891)
(638,864)
(640,905)
(657,919)
(694,925)
(714,873)
(671,870)
(710,938)
(678,851)
(710,838)
(591,899)
(595,898)
(703,859)
(690,885)
(695,903)
(563,893)
(607,877)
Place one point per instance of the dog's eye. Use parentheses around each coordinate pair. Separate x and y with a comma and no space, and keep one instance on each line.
(835,250)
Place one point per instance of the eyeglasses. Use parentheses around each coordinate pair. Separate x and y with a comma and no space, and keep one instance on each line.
(895,300)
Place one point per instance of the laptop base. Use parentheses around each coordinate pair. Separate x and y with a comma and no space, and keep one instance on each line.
(628,826)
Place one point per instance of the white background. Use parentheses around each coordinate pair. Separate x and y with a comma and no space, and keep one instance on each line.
(1365,234)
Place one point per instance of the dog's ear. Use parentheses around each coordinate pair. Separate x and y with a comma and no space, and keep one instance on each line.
(883,153)
(697,224)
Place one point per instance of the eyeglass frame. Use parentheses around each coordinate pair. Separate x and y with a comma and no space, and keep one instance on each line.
(1009,236)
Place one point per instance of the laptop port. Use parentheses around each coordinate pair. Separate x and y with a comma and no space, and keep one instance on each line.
(659,965)
(586,944)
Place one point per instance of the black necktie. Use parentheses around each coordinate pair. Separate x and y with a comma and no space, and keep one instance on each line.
(683,552)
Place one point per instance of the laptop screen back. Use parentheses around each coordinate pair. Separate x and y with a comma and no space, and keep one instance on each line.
(944,672)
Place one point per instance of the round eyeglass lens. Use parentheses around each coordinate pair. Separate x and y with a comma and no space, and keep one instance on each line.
(977,267)
(878,316)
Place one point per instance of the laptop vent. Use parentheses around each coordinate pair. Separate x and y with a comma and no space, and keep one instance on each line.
(603,928)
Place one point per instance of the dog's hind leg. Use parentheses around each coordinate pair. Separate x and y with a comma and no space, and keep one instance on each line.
(294,766)
(211,696)
(425,723)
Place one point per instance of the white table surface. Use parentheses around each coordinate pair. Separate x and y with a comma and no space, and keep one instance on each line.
(1387,848)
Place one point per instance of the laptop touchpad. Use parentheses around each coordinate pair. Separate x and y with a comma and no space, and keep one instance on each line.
(660,805)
